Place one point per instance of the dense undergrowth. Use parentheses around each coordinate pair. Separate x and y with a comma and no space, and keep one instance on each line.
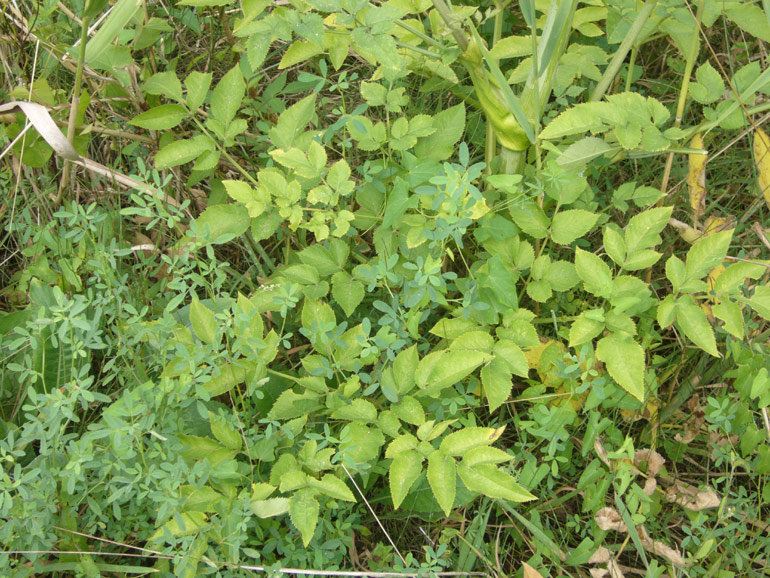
(365,286)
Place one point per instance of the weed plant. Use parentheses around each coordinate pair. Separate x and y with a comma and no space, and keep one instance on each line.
(404,286)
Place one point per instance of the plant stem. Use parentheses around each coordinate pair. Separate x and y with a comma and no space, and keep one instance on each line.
(449,19)
(65,176)
(691,56)
(490,150)
(625,47)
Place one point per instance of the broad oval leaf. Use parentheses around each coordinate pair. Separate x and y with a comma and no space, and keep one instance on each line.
(459,442)
(404,471)
(624,359)
(203,321)
(303,511)
(161,117)
(494,483)
(693,322)
(568,226)
(442,476)
(441,369)
(182,151)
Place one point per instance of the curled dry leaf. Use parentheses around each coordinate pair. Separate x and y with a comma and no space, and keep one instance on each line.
(601,556)
(696,179)
(39,118)
(762,160)
(654,461)
(694,423)
(529,571)
(692,497)
(610,519)
(661,549)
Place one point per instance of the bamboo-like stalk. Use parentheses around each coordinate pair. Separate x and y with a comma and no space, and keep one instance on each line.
(65,176)
(623,50)
(690,58)
(490,150)
(449,19)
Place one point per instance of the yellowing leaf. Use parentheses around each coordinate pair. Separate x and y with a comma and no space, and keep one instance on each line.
(696,179)
(762,159)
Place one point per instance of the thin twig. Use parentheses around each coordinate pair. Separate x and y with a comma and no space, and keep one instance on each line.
(384,531)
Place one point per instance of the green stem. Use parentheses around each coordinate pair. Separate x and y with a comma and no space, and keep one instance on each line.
(631,61)
(490,150)
(448,17)
(74,105)
(625,47)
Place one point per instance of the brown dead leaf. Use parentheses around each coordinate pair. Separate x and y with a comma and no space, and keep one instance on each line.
(610,519)
(529,571)
(762,160)
(661,549)
(598,572)
(601,556)
(696,179)
(692,497)
(694,423)
(654,461)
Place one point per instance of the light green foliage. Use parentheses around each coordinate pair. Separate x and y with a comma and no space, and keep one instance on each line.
(373,261)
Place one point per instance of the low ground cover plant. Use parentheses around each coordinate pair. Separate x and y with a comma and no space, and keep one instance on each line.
(409,286)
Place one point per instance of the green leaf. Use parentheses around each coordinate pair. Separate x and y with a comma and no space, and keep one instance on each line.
(120,16)
(595,273)
(222,223)
(643,230)
(485,455)
(404,471)
(585,328)
(450,126)
(570,225)
(357,410)
(300,51)
(197,84)
(203,321)
(292,122)
(269,508)
(583,118)
(261,491)
(404,369)
(531,219)
(709,87)
(347,292)
(736,274)
(675,272)
(223,431)
(303,511)
(460,441)
(707,253)
(410,410)
(161,117)
(624,359)
(509,352)
(204,3)
(182,151)
(441,369)
(614,245)
(730,312)
(692,320)
(184,524)
(332,486)
(760,301)
(227,96)
(562,276)
(442,475)
(492,482)
(641,260)
(165,84)
(496,379)
(255,200)
(582,152)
